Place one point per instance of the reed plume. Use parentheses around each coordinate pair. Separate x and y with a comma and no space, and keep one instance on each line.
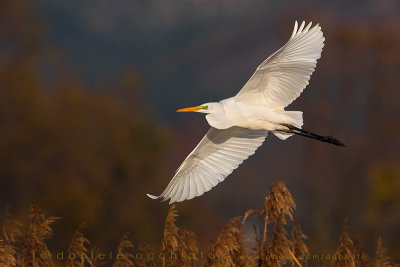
(11,229)
(278,203)
(96,261)
(382,260)
(123,256)
(229,249)
(77,251)
(362,257)
(10,234)
(7,254)
(179,246)
(144,249)
(34,239)
(344,254)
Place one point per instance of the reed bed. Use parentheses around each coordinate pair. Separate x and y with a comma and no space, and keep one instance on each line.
(277,241)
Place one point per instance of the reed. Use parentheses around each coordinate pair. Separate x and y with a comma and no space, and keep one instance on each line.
(77,251)
(37,232)
(179,246)
(124,257)
(278,241)
(10,234)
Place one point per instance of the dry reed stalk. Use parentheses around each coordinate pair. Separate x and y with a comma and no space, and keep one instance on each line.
(344,254)
(123,256)
(299,248)
(229,250)
(179,246)
(77,251)
(7,254)
(35,252)
(362,257)
(276,249)
(11,229)
(144,255)
(382,260)
(250,212)
(96,261)
(259,249)
(10,234)
(278,204)
(279,248)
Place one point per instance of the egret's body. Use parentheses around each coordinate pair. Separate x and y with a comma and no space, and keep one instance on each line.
(240,124)
(246,115)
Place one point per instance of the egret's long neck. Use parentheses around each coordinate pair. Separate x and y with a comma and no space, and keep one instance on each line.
(217,116)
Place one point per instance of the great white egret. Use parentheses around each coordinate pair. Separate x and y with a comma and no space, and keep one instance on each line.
(240,124)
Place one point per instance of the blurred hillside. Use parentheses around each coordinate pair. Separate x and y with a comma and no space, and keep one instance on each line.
(83,153)
(87,122)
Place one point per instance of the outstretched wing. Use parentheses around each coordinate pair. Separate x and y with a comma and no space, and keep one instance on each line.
(281,78)
(213,159)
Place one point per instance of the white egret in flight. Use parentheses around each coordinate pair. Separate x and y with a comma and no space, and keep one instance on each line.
(240,124)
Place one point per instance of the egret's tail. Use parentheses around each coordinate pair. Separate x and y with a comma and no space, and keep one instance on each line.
(327,139)
(294,118)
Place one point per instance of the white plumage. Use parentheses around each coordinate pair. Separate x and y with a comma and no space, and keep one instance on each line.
(281,78)
(241,123)
(214,158)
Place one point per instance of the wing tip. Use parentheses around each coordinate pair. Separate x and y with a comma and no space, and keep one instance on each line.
(299,27)
(294,29)
(162,200)
(152,196)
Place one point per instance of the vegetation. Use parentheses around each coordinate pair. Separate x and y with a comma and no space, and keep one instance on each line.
(86,152)
(25,244)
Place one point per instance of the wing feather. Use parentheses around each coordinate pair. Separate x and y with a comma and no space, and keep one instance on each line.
(282,77)
(199,183)
(193,186)
(206,182)
(213,159)
(186,190)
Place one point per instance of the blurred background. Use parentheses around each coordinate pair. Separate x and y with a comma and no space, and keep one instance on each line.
(89,89)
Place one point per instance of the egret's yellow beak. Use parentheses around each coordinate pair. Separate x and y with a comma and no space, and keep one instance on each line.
(190,109)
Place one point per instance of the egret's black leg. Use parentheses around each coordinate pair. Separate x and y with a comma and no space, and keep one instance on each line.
(327,139)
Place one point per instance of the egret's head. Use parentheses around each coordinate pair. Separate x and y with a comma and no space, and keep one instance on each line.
(204,108)
(215,111)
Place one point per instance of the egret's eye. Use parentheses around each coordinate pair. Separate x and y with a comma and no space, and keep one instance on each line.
(204,107)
